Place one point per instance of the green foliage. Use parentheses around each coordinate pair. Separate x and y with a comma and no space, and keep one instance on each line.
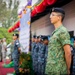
(26,62)
(2,10)
(8,16)
(5,34)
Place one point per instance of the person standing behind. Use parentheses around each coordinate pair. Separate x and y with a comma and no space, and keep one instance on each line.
(73,60)
(59,53)
(0,51)
(16,53)
(45,42)
(36,49)
(4,50)
(11,46)
(41,56)
(33,44)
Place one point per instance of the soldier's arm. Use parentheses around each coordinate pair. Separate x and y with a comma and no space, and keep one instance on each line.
(67,56)
(18,45)
(19,49)
(46,51)
(65,42)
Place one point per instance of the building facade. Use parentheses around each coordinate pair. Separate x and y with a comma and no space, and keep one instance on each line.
(43,26)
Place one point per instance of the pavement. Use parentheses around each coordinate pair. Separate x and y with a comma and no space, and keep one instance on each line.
(6,71)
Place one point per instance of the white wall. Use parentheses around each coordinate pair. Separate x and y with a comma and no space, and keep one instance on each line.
(43,26)
(69,21)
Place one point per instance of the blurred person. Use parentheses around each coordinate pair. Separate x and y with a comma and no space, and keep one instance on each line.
(4,50)
(11,46)
(33,44)
(73,59)
(59,53)
(0,51)
(45,42)
(41,56)
(35,56)
(16,53)
(35,50)
(37,53)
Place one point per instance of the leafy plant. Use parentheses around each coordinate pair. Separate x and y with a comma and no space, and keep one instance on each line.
(26,63)
(5,34)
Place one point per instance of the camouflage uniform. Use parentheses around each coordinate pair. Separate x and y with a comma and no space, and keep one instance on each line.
(32,53)
(41,59)
(73,70)
(73,61)
(36,49)
(15,56)
(46,53)
(56,63)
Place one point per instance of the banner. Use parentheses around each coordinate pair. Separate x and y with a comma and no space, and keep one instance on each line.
(25,28)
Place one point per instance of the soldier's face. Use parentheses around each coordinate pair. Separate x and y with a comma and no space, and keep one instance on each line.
(46,42)
(39,39)
(54,17)
(33,40)
(36,40)
(14,37)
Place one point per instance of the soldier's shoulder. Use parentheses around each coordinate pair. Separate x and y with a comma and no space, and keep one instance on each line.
(63,29)
(17,42)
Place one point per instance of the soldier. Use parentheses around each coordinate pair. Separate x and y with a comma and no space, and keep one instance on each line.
(42,56)
(45,42)
(73,60)
(59,53)
(33,48)
(16,53)
(4,50)
(0,51)
(36,49)
(33,45)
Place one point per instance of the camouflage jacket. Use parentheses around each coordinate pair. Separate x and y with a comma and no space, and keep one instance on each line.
(56,63)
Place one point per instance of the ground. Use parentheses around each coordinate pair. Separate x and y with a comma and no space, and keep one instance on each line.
(5,71)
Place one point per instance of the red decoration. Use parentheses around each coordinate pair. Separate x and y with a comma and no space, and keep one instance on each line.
(40,8)
(50,2)
(45,3)
(14,26)
(10,30)
(33,13)
(17,24)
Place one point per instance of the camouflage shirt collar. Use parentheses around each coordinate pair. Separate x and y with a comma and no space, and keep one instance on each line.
(57,29)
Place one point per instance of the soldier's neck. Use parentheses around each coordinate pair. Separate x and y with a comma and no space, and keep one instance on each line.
(57,25)
(16,39)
